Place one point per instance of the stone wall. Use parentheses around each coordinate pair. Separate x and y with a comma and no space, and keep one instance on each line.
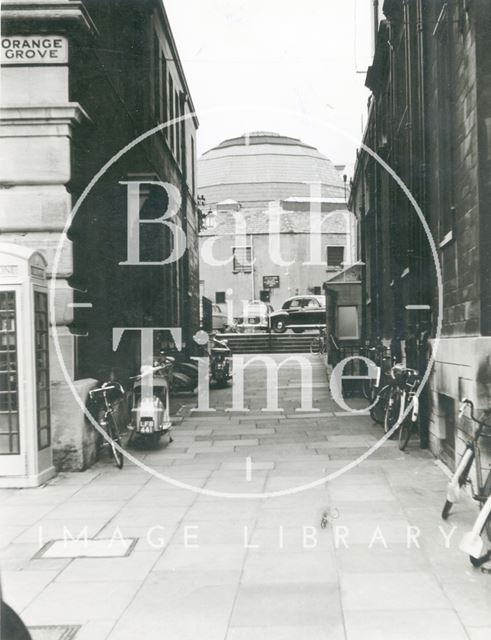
(442,155)
(60,125)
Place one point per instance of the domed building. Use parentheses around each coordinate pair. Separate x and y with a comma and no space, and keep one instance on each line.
(262,167)
(281,226)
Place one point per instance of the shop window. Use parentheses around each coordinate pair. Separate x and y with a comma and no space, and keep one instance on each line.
(242,259)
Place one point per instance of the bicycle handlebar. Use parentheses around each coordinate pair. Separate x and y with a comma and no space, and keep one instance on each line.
(482,425)
(152,370)
(103,389)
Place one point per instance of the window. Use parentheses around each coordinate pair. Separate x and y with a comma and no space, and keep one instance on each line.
(177,127)
(156,76)
(335,257)
(444,90)
(163,94)
(171,127)
(317,291)
(193,166)
(220,297)
(242,259)
(296,304)
(182,130)
(347,323)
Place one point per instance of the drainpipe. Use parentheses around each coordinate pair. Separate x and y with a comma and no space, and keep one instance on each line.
(375,24)
(423,194)
(253,288)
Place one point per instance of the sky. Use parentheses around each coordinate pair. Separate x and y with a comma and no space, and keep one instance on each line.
(288,66)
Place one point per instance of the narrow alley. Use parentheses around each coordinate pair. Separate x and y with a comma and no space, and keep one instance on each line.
(220,567)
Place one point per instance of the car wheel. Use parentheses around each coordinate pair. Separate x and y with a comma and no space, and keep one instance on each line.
(279,325)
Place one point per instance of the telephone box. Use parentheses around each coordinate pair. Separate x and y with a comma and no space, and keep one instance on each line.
(25,420)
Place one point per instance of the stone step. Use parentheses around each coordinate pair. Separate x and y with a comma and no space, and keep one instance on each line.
(264,343)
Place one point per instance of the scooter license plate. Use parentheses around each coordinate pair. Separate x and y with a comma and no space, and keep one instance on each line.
(146,426)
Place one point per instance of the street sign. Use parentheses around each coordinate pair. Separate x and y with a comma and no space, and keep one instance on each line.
(271,282)
(42,49)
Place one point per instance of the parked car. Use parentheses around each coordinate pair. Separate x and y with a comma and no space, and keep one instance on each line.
(219,318)
(255,317)
(299,313)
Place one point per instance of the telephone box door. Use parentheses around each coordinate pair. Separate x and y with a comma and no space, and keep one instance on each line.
(12,441)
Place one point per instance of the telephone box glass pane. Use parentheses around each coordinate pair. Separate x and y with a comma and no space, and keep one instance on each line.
(348,322)
(9,407)
(42,368)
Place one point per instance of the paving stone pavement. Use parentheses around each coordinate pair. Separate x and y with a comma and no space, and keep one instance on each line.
(227,568)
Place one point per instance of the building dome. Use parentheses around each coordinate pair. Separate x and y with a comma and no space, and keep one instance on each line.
(260,167)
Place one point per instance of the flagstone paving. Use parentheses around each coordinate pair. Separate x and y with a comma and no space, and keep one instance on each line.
(238,566)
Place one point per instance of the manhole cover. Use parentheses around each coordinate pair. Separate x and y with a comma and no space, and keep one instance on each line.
(54,632)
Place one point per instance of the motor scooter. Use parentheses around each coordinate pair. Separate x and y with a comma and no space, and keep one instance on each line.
(150,402)
(220,362)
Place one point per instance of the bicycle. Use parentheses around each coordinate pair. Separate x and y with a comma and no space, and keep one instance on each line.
(318,344)
(107,420)
(379,357)
(472,542)
(403,394)
(381,390)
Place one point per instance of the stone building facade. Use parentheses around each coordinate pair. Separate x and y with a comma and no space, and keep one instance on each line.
(269,190)
(429,121)
(81,81)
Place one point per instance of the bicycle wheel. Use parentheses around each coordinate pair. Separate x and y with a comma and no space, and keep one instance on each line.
(405,432)
(393,410)
(462,479)
(114,434)
(368,390)
(377,411)
(315,346)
